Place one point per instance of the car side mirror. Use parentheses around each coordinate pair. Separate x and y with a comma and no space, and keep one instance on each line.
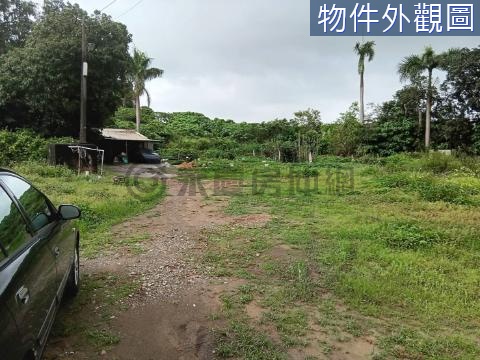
(39,221)
(69,212)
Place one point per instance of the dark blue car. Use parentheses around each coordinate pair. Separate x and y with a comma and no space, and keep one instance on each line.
(39,262)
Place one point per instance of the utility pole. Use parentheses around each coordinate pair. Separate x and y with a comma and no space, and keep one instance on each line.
(83,91)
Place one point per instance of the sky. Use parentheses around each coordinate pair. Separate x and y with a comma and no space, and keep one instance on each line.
(254,60)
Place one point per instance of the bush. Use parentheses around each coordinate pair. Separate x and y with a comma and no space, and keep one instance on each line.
(25,145)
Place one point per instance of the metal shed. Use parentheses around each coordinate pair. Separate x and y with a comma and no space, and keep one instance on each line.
(128,141)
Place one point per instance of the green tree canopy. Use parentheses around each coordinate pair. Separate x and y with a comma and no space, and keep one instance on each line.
(346,135)
(16,22)
(40,82)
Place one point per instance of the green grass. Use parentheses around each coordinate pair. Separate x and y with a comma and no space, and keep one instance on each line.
(412,344)
(102,338)
(241,340)
(399,250)
(103,204)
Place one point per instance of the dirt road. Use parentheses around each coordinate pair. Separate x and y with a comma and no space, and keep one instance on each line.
(168,314)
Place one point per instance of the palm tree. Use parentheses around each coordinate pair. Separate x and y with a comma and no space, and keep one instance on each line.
(412,67)
(364,50)
(140,72)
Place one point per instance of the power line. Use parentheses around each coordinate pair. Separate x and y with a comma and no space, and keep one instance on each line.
(133,7)
(108,5)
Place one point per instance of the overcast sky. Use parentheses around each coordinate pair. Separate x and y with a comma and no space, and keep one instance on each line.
(253,60)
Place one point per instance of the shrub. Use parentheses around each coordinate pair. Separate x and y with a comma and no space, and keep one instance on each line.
(25,145)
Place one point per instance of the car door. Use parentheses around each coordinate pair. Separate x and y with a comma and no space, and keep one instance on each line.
(31,292)
(9,347)
(64,242)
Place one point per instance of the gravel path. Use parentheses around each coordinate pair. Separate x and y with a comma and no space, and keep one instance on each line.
(169,316)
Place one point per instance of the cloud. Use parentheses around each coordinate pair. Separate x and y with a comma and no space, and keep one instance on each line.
(254,60)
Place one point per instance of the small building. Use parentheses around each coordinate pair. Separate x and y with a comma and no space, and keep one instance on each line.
(116,142)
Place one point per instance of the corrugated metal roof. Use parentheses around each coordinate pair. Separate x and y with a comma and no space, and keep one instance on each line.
(123,134)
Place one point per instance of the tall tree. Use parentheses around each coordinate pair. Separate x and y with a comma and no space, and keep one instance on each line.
(412,67)
(364,50)
(40,82)
(394,129)
(462,86)
(463,79)
(309,133)
(16,21)
(346,135)
(141,72)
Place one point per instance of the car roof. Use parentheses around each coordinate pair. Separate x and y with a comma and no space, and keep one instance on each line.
(6,170)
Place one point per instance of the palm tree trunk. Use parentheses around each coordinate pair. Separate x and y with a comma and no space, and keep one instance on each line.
(419,129)
(362,107)
(429,111)
(137,113)
(299,149)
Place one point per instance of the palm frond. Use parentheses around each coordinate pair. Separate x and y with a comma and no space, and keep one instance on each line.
(451,57)
(153,73)
(357,48)
(147,94)
(140,72)
(365,50)
(410,67)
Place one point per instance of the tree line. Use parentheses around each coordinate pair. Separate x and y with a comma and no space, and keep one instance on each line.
(40,66)
(421,115)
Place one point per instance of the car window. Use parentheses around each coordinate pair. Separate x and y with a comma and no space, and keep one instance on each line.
(13,229)
(34,202)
